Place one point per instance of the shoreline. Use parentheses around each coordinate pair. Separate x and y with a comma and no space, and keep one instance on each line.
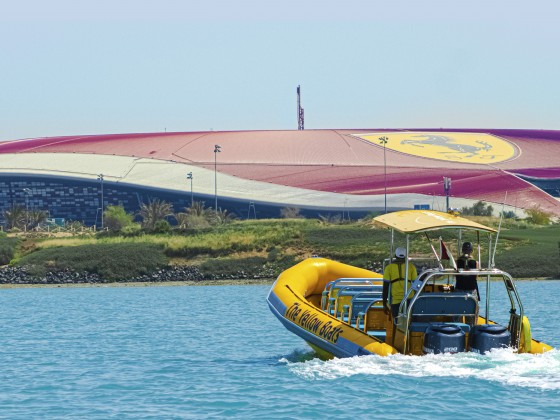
(228,282)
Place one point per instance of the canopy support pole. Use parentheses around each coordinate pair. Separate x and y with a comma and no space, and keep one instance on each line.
(488,280)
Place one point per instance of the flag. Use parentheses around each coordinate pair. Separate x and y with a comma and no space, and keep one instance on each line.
(445,254)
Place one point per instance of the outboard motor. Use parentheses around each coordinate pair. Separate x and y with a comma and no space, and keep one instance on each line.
(485,337)
(444,338)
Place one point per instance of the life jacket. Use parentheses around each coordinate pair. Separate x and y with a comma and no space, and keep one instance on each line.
(397,284)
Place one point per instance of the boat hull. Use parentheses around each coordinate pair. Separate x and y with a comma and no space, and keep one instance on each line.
(294,300)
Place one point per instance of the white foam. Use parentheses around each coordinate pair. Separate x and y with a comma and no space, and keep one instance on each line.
(503,366)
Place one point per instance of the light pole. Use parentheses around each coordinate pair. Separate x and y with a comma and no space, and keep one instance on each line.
(189,176)
(217,150)
(446,187)
(27,192)
(100,179)
(384,141)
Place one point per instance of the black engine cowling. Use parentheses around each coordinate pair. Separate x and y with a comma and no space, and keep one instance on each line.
(444,338)
(485,337)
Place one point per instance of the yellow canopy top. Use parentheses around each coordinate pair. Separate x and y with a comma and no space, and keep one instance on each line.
(415,221)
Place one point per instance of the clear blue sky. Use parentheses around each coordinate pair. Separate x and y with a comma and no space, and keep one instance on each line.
(119,66)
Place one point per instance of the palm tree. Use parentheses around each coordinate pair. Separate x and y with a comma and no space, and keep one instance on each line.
(198,209)
(182,220)
(15,217)
(155,211)
(35,217)
(221,217)
(196,216)
(290,213)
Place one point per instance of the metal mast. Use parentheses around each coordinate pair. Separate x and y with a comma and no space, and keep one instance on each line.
(299,110)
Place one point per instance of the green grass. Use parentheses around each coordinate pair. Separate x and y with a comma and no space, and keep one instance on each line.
(251,236)
(530,253)
(259,246)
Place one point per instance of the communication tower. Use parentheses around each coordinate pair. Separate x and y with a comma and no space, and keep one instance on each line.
(299,110)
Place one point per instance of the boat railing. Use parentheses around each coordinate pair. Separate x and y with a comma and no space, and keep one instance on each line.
(332,289)
(344,295)
(433,273)
(371,316)
(417,288)
(359,303)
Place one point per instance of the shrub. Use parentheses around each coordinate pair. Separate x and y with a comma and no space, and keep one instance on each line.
(116,218)
(478,209)
(7,249)
(538,216)
(232,267)
(110,261)
(162,226)
(508,214)
(133,229)
(274,254)
(196,222)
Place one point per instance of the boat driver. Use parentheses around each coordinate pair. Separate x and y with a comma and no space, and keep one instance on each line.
(465,262)
(393,281)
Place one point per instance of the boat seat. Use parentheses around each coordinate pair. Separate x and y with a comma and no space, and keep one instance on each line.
(460,309)
(434,304)
(361,303)
(333,288)
(371,320)
(345,295)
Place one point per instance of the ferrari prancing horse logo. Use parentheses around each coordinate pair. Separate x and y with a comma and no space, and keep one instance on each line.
(454,147)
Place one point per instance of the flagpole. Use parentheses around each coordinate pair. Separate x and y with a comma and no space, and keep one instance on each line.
(434,250)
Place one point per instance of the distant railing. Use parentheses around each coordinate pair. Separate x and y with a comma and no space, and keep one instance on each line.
(56,229)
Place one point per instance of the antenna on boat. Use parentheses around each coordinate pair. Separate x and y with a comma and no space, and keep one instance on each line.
(499,228)
(434,250)
(478,245)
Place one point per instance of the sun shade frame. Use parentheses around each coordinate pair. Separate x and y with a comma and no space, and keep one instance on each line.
(417,221)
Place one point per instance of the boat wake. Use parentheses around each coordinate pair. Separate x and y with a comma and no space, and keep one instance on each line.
(500,365)
(298,356)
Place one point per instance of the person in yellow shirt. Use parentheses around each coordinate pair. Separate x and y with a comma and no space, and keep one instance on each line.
(393,281)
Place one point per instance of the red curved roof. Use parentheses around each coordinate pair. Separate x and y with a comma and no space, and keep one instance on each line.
(334,161)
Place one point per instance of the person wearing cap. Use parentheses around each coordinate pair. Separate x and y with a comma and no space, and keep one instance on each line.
(393,281)
(465,262)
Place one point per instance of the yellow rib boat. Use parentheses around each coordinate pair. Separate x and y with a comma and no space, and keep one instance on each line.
(337,308)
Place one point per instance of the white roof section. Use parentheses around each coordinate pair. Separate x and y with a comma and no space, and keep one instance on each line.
(171,176)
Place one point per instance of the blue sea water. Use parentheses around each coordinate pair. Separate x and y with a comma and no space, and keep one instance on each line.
(217,351)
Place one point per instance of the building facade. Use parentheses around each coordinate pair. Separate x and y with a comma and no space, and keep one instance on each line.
(257,173)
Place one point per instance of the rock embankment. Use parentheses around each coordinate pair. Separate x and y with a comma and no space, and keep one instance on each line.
(19,275)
